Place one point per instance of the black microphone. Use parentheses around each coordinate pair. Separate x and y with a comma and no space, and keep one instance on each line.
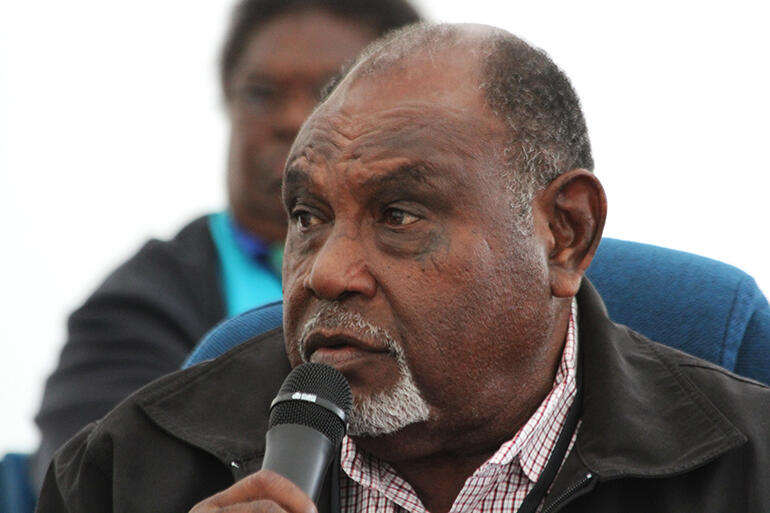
(308,419)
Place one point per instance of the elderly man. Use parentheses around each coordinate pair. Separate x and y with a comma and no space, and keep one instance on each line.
(442,212)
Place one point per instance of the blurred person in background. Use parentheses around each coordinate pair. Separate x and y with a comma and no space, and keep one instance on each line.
(145,318)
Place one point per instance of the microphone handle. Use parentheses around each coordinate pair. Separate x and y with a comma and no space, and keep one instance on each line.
(299,453)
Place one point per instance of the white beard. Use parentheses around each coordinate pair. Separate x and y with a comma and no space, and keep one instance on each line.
(389,411)
(384,412)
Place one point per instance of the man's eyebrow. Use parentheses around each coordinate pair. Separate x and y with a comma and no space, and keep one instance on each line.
(404,174)
(295,179)
(294,176)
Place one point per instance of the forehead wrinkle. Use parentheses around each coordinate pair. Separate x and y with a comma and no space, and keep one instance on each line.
(407,173)
(420,129)
(323,135)
(341,137)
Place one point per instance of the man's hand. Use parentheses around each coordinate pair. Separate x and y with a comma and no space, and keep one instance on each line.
(263,491)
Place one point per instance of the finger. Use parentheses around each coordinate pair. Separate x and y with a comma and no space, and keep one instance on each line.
(262,506)
(263,485)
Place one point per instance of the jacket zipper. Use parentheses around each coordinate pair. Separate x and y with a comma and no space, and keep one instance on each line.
(569,492)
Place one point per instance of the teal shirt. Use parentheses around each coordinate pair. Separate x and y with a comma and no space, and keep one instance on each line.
(246,282)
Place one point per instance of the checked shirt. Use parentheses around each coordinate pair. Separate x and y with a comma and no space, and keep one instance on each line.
(499,485)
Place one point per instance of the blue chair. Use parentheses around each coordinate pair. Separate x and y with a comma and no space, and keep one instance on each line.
(231,332)
(696,304)
(699,305)
(16,494)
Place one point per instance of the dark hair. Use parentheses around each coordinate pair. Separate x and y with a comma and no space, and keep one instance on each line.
(380,15)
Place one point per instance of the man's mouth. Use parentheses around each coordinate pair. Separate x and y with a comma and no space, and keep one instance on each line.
(340,356)
(338,349)
(346,341)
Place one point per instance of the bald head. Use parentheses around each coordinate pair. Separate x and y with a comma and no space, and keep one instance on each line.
(545,131)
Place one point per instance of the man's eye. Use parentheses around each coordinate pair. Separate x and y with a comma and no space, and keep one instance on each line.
(305,219)
(397,217)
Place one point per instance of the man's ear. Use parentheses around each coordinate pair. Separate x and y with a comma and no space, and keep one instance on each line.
(573,209)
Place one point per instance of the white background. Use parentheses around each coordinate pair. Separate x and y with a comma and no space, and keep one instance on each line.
(111,131)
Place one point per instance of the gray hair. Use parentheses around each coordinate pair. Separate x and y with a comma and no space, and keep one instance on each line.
(548,133)
(522,86)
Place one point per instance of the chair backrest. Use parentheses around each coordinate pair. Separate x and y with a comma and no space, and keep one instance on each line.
(231,332)
(16,495)
(701,306)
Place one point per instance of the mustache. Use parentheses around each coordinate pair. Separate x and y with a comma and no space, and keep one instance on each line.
(333,315)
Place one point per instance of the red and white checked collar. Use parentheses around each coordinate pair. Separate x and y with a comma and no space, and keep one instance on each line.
(369,485)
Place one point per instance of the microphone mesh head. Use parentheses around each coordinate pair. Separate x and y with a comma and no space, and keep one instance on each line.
(324,381)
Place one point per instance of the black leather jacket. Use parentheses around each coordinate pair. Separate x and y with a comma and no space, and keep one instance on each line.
(661,431)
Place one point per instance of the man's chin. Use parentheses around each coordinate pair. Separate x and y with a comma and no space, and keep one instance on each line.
(387,412)
(365,433)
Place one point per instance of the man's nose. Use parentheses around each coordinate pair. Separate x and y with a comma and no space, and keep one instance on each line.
(340,269)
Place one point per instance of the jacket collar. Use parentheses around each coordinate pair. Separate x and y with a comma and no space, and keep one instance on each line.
(641,415)
(198,407)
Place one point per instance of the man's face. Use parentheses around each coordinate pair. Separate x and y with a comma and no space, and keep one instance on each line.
(399,218)
(273,88)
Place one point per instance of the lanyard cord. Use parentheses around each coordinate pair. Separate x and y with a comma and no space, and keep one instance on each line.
(538,492)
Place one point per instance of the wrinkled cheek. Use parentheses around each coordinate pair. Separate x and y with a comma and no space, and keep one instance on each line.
(294,301)
(454,306)
(441,310)
(298,259)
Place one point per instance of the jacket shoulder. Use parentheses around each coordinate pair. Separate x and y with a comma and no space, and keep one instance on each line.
(179,432)
(704,372)
(743,401)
